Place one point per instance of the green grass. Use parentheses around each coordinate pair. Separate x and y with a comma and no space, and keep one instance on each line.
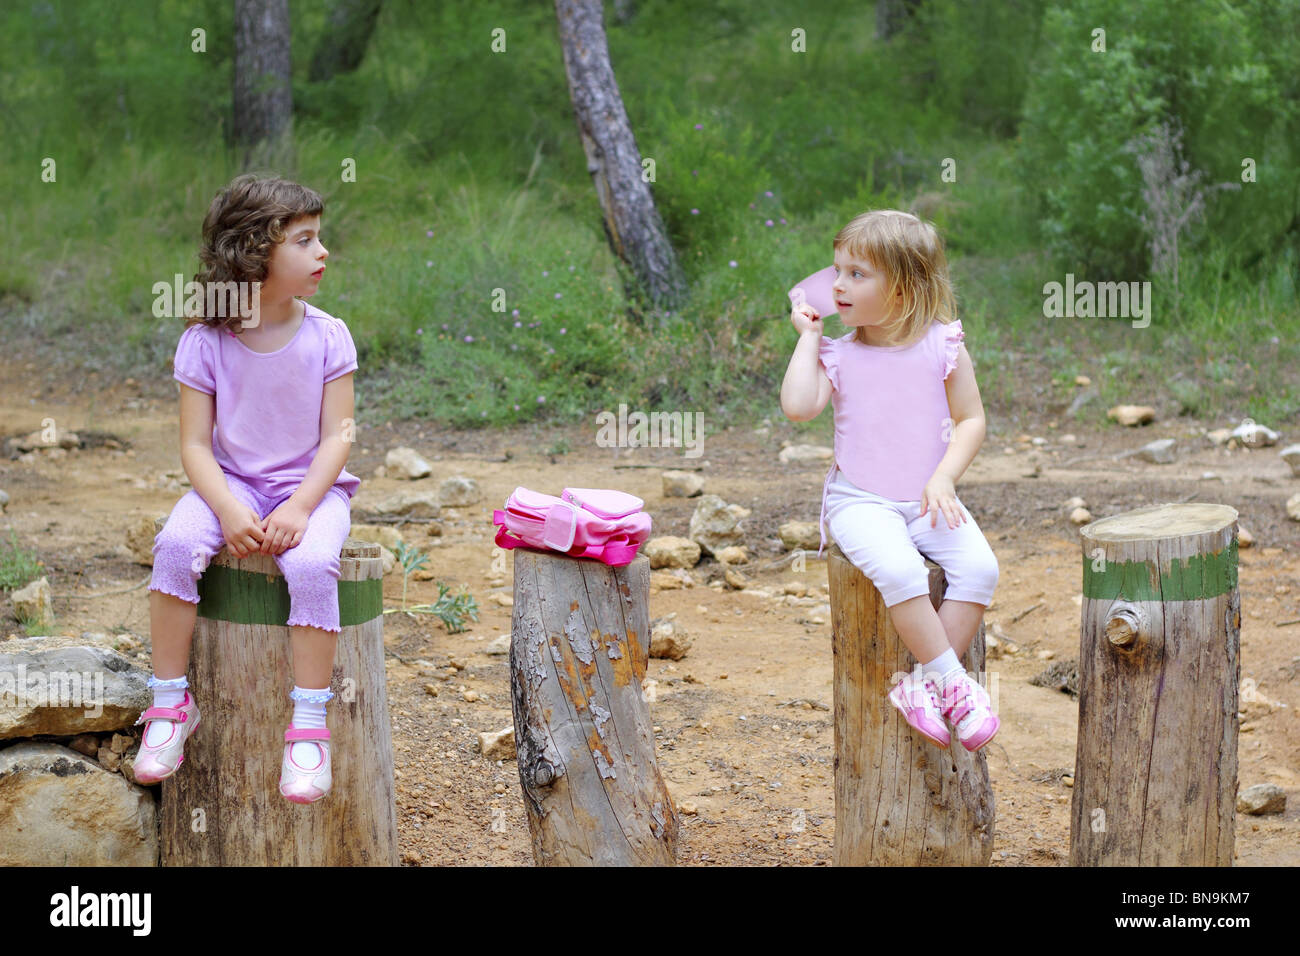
(482,150)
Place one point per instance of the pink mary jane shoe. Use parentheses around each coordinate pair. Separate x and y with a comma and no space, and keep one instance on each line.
(305,784)
(156,763)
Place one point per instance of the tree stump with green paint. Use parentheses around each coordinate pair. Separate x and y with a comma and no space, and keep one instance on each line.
(580,643)
(1155,779)
(223,807)
(899,799)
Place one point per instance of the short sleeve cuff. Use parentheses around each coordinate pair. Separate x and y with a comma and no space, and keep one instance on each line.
(952,340)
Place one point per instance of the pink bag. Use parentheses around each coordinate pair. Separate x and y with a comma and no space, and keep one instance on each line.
(584,523)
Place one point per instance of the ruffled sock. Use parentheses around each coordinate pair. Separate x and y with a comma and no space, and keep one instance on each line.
(166,693)
(308,711)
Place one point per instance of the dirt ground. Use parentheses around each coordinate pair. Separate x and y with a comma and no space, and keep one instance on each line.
(735,736)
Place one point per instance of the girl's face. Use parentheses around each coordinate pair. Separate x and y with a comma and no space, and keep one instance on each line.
(859,290)
(297,264)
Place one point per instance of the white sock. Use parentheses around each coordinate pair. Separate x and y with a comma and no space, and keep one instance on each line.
(308,713)
(166,693)
(943,668)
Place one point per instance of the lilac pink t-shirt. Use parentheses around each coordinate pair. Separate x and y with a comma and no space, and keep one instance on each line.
(892,421)
(266,428)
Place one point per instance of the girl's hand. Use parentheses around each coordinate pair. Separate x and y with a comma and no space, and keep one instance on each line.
(284,528)
(242,529)
(805,319)
(940,495)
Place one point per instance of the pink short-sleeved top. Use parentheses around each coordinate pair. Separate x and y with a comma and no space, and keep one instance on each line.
(892,421)
(266,427)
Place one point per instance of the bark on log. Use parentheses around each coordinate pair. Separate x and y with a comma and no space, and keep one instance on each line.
(1156,763)
(223,807)
(583,733)
(899,799)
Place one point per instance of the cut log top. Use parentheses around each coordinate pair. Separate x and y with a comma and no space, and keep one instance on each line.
(1161,521)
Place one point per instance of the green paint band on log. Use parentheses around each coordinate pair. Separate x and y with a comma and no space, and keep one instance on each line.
(1192,579)
(248,597)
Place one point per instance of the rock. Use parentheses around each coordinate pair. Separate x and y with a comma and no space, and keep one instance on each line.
(413,504)
(121,743)
(405,463)
(664,581)
(732,555)
(992,647)
(1254,435)
(1290,454)
(802,453)
(1075,502)
(667,639)
(1293,507)
(458,492)
(687,809)
(1219,436)
(4,499)
(1244,538)
(379,472)
(1080,516)
(1062,676)
(735,579)
(667,551)
(716,524)
(1132,414)
(1160,452)
(412,857)
(67,690)
(36,441)
(432,690)
(470,696)
(498,745)
(1045,654)
(498,646)
(1261,798)
(32,603)
(682,484)
(1082,380)
(87,744)
(107,759)
(62,807)
(503,600)
(800,535)
(384,535)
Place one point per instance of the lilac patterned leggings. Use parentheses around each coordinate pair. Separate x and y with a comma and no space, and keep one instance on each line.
(192,537)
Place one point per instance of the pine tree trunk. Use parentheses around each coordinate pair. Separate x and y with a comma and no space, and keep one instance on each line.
(263,95)
(632,224)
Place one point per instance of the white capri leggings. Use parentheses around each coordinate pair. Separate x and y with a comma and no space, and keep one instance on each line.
(885,540)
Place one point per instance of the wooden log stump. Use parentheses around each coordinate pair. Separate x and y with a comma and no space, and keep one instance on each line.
(223,807)
(580,641)
(1155,779)
(899,799)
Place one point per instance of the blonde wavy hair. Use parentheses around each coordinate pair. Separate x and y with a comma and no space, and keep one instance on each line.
(909,251)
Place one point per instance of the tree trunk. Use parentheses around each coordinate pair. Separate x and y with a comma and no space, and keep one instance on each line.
(893,15)
(1155,780)
(263,94)
(342,46)
(899,799)
(632,224)
(579,647)
(223,807)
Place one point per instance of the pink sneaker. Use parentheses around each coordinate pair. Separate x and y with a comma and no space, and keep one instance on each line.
(305,784)
(918,702)
(966,707)
(156,763)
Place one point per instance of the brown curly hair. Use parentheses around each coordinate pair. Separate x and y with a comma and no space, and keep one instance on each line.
(245,221)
